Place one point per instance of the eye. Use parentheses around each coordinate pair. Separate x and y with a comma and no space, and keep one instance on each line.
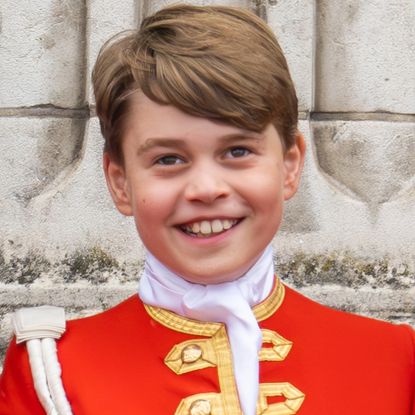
(169,160)
(237,152)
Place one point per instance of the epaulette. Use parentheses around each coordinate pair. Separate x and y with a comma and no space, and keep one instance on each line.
(39,327)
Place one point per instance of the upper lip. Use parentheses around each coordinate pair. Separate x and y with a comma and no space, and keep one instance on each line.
(208,218)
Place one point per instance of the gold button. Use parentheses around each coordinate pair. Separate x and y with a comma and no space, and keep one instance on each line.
(200,407)
(191,353)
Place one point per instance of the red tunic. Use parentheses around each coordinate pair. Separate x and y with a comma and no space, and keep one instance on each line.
(133,360)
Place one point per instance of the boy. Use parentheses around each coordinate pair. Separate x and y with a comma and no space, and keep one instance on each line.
(199,116)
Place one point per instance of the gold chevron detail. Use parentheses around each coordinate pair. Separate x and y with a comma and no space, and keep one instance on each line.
(279,350)
(293,402)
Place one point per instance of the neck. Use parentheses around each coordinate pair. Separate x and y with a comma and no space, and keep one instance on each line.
(258,279)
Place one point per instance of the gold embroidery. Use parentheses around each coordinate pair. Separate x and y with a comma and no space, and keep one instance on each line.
(177,361)
(293,402)
(271,304)
(214,404)
(226,402)
(182,324)
(279,350)
(216,351)
(227,383)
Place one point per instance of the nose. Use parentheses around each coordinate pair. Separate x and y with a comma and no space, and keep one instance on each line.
(206,184)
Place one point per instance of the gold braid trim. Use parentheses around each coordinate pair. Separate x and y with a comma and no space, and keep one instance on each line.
(229,391)
(216,351)
(293,402)
(200,328)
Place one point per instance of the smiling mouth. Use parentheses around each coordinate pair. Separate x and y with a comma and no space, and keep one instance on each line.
(207,228)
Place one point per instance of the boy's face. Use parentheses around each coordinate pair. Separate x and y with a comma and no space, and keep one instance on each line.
(207,197)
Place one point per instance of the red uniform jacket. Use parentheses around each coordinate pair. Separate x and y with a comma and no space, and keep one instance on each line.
(134,359)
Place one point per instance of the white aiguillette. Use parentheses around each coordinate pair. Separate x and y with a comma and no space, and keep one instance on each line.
(39,327)
(39,323)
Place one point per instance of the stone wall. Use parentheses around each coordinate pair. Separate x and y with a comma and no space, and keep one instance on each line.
(348,238)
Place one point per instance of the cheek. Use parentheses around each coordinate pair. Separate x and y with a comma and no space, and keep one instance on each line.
(152,207)
(265,189)
(267,199)
(148,222)
(148,211)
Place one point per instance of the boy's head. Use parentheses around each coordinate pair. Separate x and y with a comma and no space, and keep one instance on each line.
(213,62)
(199,116)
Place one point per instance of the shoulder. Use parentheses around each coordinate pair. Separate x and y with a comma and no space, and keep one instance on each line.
(351,330)
(17,391)
(108,330)
(119,318)
(329,315)
(369,353)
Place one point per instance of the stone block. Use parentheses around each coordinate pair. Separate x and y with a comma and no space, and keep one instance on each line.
(42,53)
(293,24)
(34,152)
(55,202)
(299,216)
(372,161)
(151,6)
(105,19)
(365,56)
(347,270)
(316,209)
(393,305)
(5,334)
(78,212)
(357,193)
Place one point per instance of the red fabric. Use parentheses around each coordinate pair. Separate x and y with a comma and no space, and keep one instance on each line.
(113,364)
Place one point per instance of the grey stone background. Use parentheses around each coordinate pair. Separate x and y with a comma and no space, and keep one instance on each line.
(348,238)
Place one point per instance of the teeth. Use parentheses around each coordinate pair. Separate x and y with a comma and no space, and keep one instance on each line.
(227,224)
(217,226)
(206,227)
(196,227)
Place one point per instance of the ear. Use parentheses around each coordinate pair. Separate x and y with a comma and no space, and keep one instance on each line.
(117,185)
(293,165)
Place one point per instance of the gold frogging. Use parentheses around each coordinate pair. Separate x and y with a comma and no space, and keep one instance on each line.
(200,354)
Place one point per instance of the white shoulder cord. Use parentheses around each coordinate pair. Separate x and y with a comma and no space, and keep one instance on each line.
(34,350)
(39,327)
(53,375)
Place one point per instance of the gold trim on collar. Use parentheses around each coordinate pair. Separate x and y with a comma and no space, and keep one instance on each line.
(199,328)
(272,303)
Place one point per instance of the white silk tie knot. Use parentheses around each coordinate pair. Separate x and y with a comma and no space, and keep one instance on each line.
(229,303)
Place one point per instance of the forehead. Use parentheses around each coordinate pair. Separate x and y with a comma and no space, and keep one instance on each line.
(151,119)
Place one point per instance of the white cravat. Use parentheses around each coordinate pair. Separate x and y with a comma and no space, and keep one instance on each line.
(229,303)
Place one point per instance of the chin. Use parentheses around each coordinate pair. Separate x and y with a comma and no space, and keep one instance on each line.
(214,277)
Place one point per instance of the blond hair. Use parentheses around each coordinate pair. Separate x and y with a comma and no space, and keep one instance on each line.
(216,62)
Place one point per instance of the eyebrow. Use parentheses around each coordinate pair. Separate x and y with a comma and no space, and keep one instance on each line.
(180,143)
(159,142)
